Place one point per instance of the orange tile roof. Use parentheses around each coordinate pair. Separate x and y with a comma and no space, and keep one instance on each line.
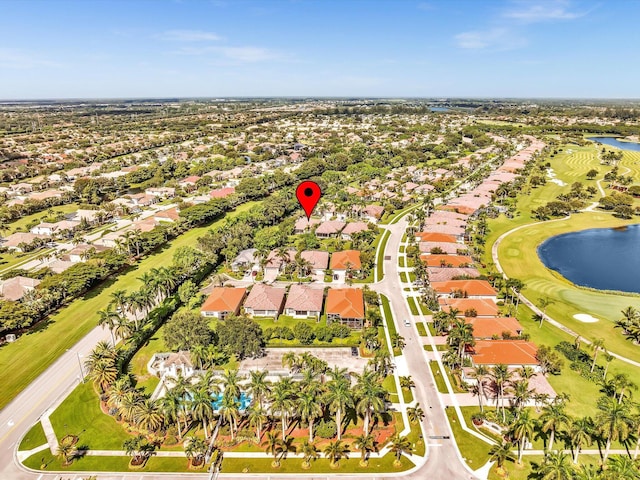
(224,299)
(474,288)
(454,260)
(346,302)
(339,260)
(482,306)
(488,327)
(436,237)
(508,352)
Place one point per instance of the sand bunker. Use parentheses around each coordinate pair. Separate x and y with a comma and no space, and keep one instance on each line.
(585,318)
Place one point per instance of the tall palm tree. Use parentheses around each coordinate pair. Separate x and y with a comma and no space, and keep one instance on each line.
(596,345)
(521,393)
(543,303)
(282,401)
(366,444)
(129,405)
(500,452)
(103,373)
(231,379)
(334,451)
(522,429)
(613,422)
(480,372)
(201,407)
(148,415)
(195,448)
(110,319)
(256,416)
(308,409)
(258,385)
(172,408)
(553,419)
(370,396)
(501,377)
(272,446)
(309,452)
(554,467)
(622,383)
(229,412)
(400,445)
(339,398)
(621,466)
(587,472)
(580,433)
(66,450)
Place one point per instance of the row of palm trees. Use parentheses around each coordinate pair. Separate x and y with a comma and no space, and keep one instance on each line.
(320,393)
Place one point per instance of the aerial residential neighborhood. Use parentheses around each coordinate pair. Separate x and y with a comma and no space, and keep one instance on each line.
(283,240)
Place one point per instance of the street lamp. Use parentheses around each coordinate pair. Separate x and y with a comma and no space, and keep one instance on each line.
(79,363)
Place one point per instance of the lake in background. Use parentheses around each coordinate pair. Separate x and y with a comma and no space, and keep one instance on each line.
(614,142)
(602,258)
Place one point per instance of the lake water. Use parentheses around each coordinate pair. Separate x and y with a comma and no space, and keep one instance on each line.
(602,258)
(614,142)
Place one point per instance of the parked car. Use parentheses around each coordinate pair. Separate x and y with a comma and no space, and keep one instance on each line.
(407,322)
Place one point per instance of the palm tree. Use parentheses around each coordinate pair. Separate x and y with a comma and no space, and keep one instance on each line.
(121,301)
(587,472)
(66,450)
(407,382)
(543,303)
(273,447)
(256,416)
(521,393)
(117,391)
(501,376)
(523,429)
(339,398)
(282,401)
(229,412)
(415,414)
(370,396)
(479,373)
(172,408)
(258,385)
(400,445)
(103,373)
(109,318)
(309,409)
(366,444)
(500,452)
(129,405)
(608,358)
(613,422)
(553,418)
(621,382)
(309,452)
(148,415)
(231,379)
(621,466)
(397,340)
(195,448)
(554,467)
(596,345)
(334,451)
(201,407)
(580,432)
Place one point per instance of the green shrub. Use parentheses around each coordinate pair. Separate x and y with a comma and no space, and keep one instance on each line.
(327,429)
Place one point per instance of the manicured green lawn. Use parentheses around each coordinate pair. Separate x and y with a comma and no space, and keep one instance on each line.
(380,257)
(22,361)
(21,223)
(34,438)
(442,387)
(412,305)
(387,312)
(80,414)
(287,321)
(401,261)
(407,394)
(421,330)
(389,385)
(474,451)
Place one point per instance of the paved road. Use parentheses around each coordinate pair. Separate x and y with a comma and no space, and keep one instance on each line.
(443,461)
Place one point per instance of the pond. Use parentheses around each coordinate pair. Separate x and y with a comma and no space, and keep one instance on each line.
(601,258)
(614,142)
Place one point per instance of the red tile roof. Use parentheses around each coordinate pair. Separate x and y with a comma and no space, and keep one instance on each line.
(482,306)
(339,260)
(453,260)
(473,288)
(508,352)
(224,299)
(345,302)
(488,327)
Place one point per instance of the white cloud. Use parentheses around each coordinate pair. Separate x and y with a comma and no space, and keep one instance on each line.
(543,11)
(189,36)
(495,39)
(241,54)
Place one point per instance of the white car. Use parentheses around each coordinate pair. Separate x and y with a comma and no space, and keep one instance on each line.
(407,322)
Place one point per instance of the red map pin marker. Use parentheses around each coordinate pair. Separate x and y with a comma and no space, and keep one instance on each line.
(308,194)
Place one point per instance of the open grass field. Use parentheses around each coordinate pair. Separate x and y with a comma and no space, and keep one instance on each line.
(22,361)
(21,224)
(34,438)
(518,256)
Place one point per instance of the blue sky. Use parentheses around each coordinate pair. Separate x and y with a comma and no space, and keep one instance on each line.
(390,48)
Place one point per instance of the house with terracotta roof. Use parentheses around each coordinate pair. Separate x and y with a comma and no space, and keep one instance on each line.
(304,301)
(435,237)
(343,261)
(170,215)
(223,301)
(15,288)
(438,274)
(329,229)
(446,261)
(482,307)
(353,227)
(346,306)
(439,248)
(264,301)
(372,213)
(494,327)
(222,192)
(189,183)
(464,289)
(15,241)
(513,353)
